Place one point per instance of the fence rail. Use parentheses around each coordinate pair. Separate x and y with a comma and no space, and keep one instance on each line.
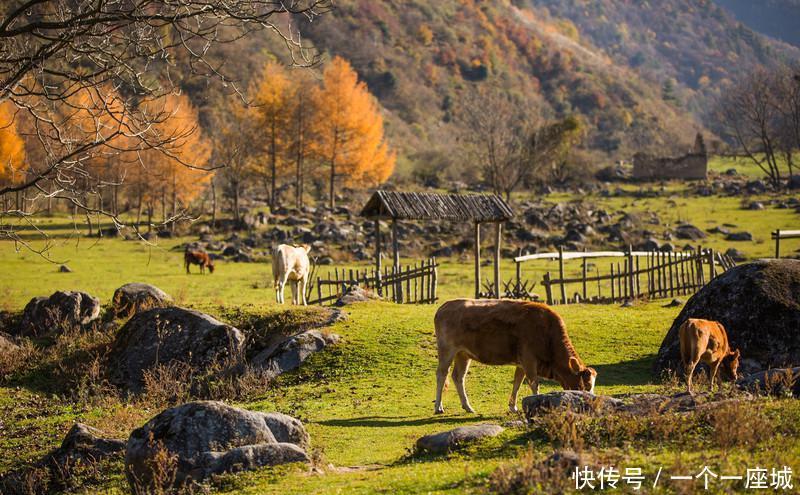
(412,284)
(641,274)
(783,234)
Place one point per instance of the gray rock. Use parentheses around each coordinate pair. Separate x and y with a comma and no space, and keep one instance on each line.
(135,297)
(169,335)
(755,205)
(207,438)
(448,441)
(674,303)
(62,311)
(82,446)
(739,236)
(778,382)
(688,231)
(736,255)
(291,353)
(64,269)
(576,400)
(651,244)
(759,305)
(287,429)
(354,294)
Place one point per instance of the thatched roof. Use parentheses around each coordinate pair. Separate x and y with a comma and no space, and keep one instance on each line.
(432,206)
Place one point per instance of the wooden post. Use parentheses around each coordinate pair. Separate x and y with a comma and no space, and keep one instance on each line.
(378,287)
(613,291)
(548,289)
(712,270)
(396,264)
(630,280)
(434,280)
(561,274)
(477,260)
(498,232)
(584,278)
(777,235)
(518,273)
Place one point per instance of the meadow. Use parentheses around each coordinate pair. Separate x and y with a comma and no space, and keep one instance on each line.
(366,400)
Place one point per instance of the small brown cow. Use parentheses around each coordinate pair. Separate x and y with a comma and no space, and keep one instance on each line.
(529,335)
(707,341)
(195,257)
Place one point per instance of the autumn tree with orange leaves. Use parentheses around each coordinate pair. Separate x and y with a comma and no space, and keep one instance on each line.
(12,150)
(349,136)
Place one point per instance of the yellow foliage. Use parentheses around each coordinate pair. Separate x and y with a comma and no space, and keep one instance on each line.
(349,128)
(12,147)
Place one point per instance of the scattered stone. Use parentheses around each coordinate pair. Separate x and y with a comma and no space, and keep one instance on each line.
(777,382)
(354,294)
(135,297)
(755,205)
(674,303)
(576,400)
(83,446)
(739,236)
(170,335)
(627,304)
(668,247)
(736,255)
(650,244)
(743,299)
(688,231)
(64,269)
(62,311)
(208,438)
(720,230)
(290,354)
(451,440)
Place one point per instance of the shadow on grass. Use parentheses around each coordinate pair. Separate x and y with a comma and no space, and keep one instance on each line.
(396,421)
(633,372)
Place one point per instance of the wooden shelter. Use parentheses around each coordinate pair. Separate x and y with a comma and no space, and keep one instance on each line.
(475,208)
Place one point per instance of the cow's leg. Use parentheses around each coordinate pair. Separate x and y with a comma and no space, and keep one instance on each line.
(460,368)
(281,286)
(293,283)
(445,358)
(519,375)
(689,371)
(714,373)
(186,262)
(531,368)
(302,283)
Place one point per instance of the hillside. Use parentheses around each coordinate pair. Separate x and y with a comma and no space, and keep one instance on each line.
(641,74)
(776,18)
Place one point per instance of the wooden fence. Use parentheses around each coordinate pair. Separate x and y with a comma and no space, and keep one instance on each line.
(783,234)
(415,284)
(641,274)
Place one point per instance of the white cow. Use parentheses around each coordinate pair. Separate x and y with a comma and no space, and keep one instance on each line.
(291,263)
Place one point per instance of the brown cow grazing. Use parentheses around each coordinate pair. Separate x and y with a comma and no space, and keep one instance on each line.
(197,257)
(707,341)
(529,335)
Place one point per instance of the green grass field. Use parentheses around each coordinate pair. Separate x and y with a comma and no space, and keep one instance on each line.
(367,400)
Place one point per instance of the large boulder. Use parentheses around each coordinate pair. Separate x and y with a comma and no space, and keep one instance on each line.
(170,335)
(758,304)
(61,312)
(206,438)
(82,447)
(778,382)
(575,400)
(291,353)
(447,441)
(135,297)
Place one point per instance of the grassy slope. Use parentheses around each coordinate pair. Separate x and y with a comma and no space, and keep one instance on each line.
(366,401)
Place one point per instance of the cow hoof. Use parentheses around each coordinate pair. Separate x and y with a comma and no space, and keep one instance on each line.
(513,409)
(438,411)
(469,409)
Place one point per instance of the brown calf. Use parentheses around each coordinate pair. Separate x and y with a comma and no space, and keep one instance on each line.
(706,341)
(529,335)
(193,257)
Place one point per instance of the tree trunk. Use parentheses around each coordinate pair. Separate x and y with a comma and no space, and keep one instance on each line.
(213,202)
(273,165)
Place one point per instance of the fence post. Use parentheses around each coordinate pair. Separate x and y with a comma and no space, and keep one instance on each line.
(584,277)
(477,260)
(548,289)
(498,237)
(379,289)
(435,280)
(613,299)
(777,235)
(561,274)
(630,273)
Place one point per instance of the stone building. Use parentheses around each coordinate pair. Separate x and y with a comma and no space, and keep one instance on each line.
(692,166)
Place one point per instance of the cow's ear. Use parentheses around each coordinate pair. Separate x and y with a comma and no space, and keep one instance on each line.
(574,365)
(736,353)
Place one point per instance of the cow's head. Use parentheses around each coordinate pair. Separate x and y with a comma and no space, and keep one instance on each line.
(210,266)
(584,376)
(730,365)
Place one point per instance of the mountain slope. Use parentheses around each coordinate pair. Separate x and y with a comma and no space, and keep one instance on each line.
(776,18)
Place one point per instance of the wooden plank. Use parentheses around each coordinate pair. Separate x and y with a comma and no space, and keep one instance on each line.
(612,283)
(583,283)
(477,260)
(712,270)
(588,255)
(548,289)
(561,274)
(435,280)
(498,238)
